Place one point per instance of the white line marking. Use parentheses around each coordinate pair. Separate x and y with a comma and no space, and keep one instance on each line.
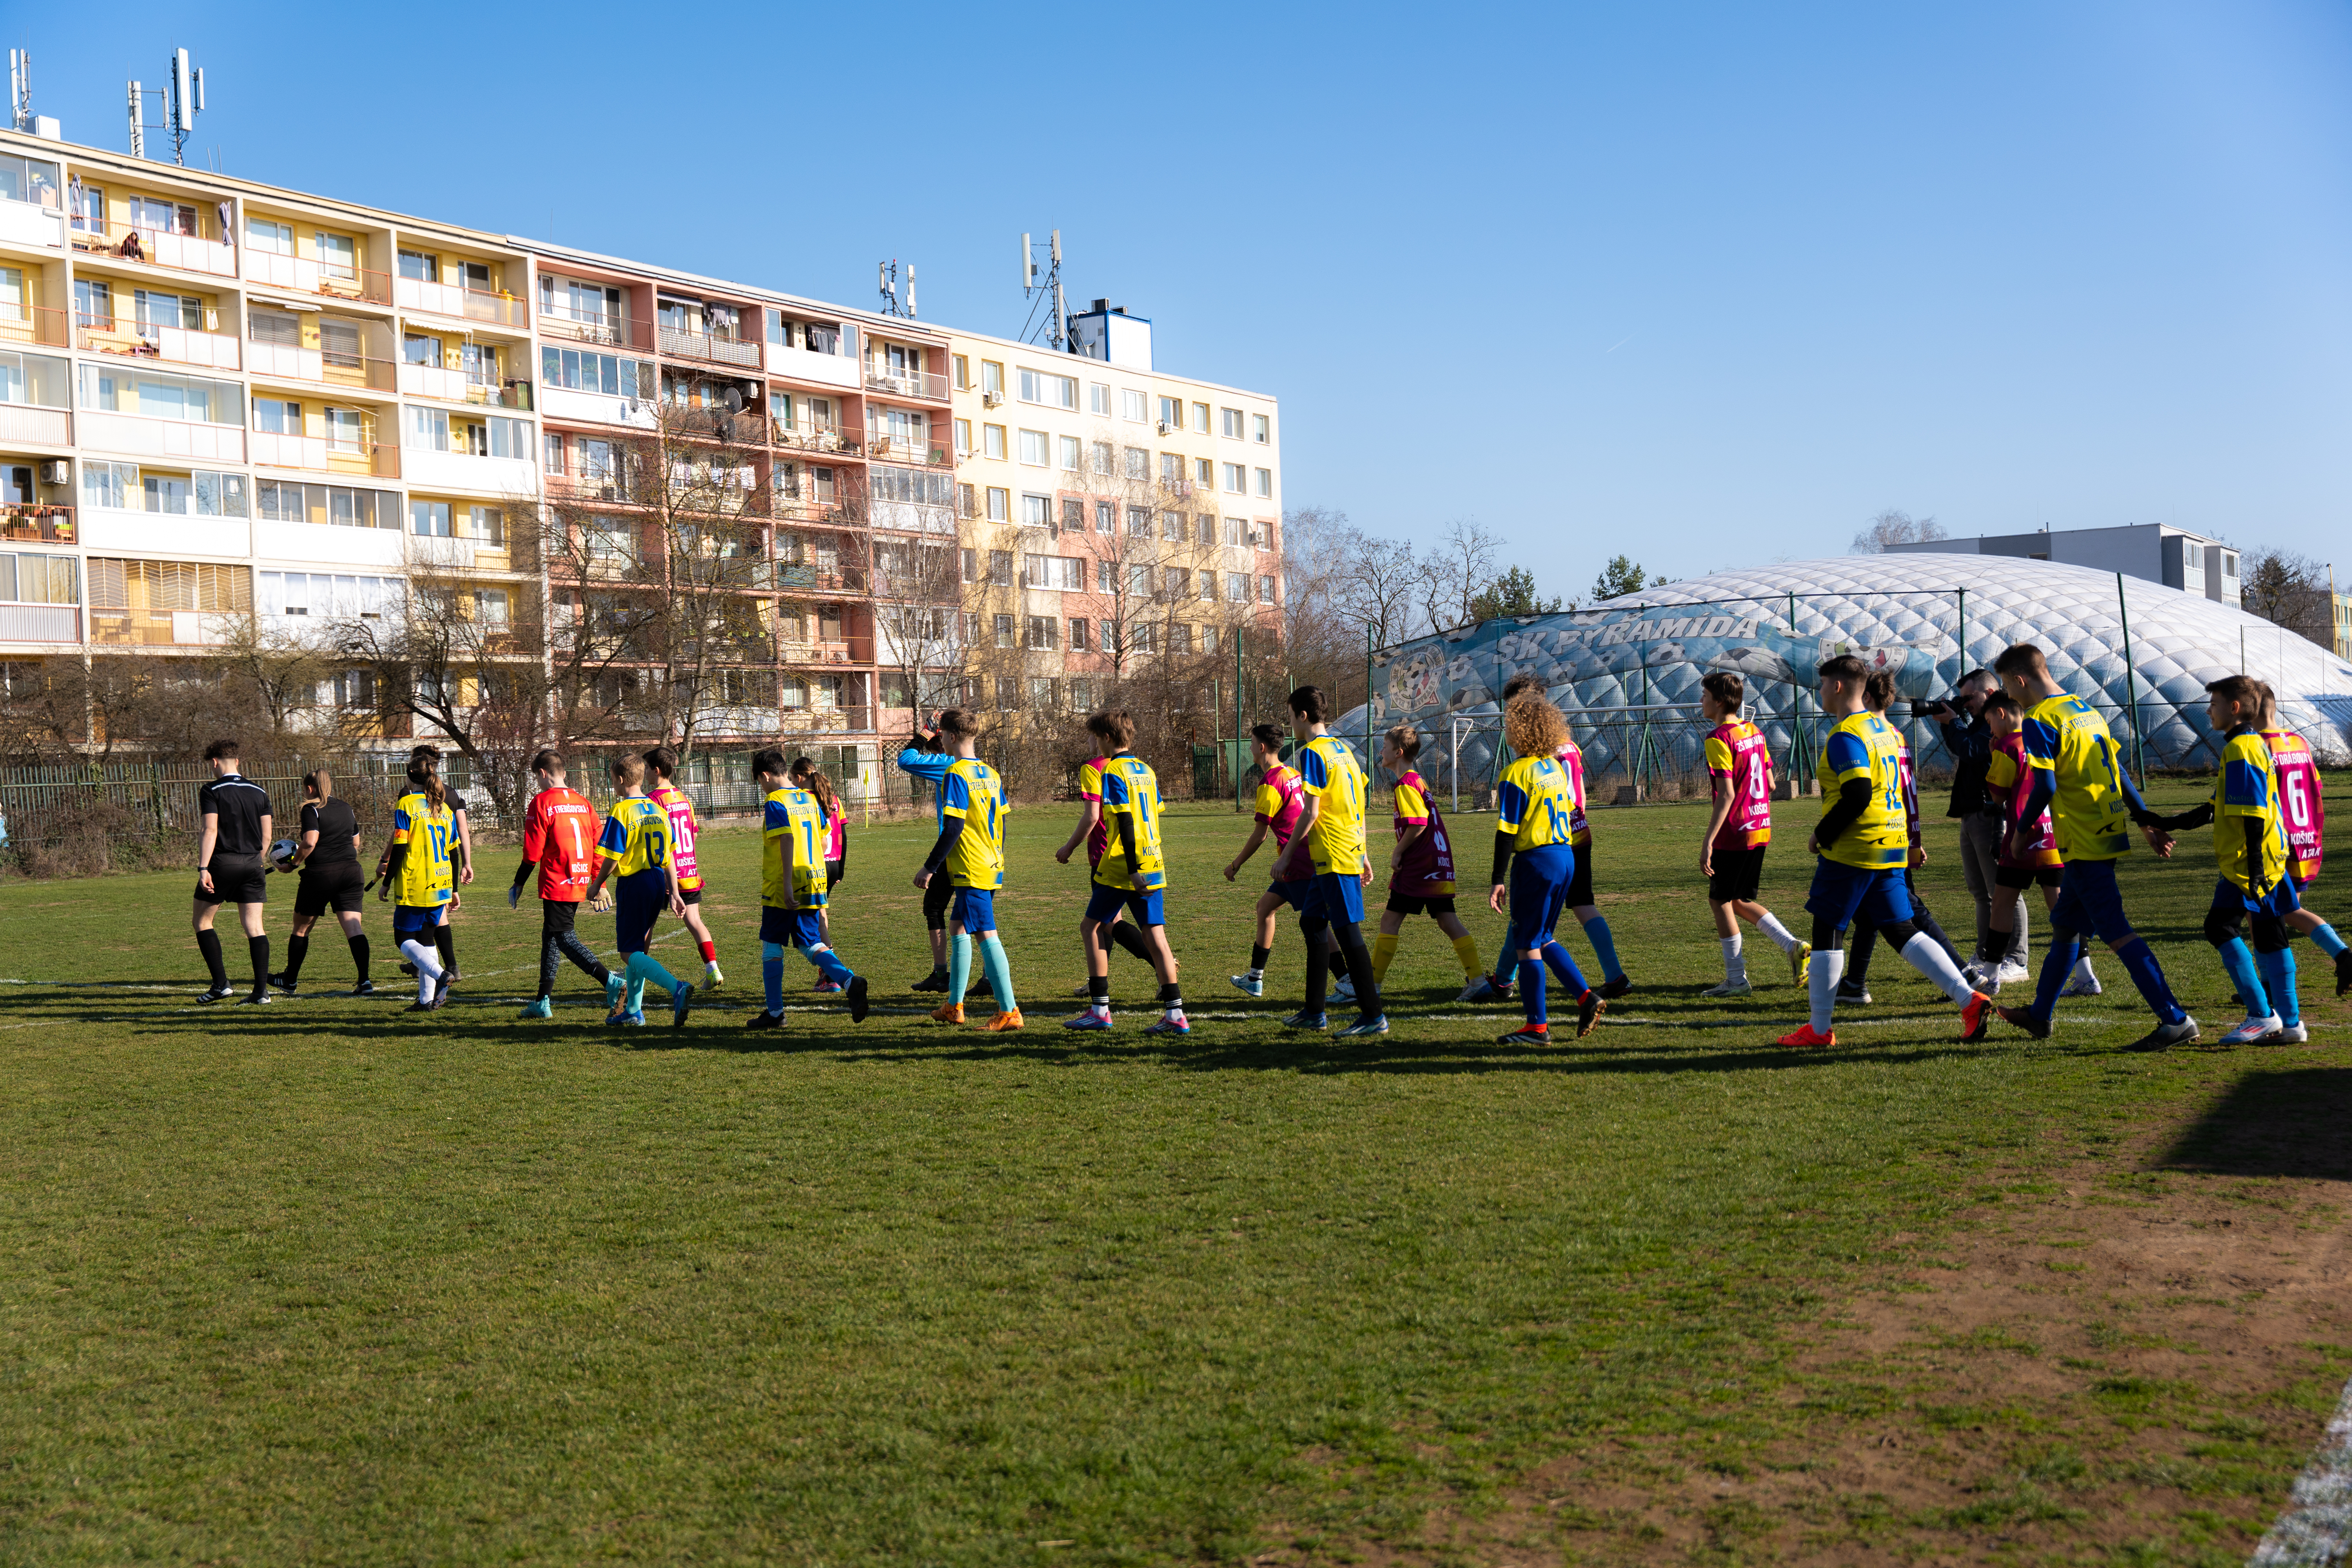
(2316,1527)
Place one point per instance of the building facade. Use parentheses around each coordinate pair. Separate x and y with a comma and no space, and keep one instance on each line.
(2155,551)
(229,410)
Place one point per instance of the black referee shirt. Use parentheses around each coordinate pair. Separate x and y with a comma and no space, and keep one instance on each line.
(336,823)
(240,804)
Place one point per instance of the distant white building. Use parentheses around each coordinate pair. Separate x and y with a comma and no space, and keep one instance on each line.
(2154,550)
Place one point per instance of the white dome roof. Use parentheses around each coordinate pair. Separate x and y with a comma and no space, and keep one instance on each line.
(1641,656)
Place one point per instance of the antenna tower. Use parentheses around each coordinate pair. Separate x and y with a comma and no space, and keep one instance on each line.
(183,100)
(1047,284)
(886,273)
(20,89)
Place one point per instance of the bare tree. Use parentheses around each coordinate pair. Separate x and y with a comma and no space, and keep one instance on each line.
(1454,573)
(1892,527)
(2289,589)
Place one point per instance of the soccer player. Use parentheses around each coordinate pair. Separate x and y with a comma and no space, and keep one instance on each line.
(558,843)
(327,856)
(925,758)
(1131,876)
(1328,845)
(1739,831)
(970,854)
(230,845)
(807,775)
(423,760)
(1279,800)
(2079,777)
(2025,857)
(634,851)
(1569,756)
(2306,820)
(792,892)
(419,880)
(1093,832)
(1878,691)
(1864,849)
(1421,866)
(665,794)
(1535,863)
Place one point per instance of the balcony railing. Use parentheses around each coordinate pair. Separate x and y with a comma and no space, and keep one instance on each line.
(853,650)
(302,275)
(751,429)
(41,222)
(455,385)
(906,449)
(710,350)
(114,335)
(157,628)
(275,449)
(32,324)
(155,248)
(38,425)
(821,579)
(823,438)
(467,304)
(280,362)
(920,383)
(624,333)
(33,522)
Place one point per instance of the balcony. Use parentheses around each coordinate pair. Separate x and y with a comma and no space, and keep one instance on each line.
(748,429)
(595,409)
(704,348)
(813,580)
(157,628)
(920,383)
(612,331)
(35,523)
(906,449)
(319,542)
(319,454)
(823,438)
(428,468)
(39,623)
(213,351)
(300,275)
(808,365)
(464,305)
(155,248)
(36,425)
(859,650)
(166,534)
(32,324)
(33,222)
(146,437)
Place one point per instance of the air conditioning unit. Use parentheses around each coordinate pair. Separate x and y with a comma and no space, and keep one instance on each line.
(57,471)
(1166,428)
(991,399)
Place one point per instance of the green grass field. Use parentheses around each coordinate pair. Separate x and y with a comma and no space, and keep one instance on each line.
(324,1284)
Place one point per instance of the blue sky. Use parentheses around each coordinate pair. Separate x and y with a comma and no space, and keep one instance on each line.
(1713,283)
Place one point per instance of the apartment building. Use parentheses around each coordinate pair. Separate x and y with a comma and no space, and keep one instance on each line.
(228,406)
(2158,552)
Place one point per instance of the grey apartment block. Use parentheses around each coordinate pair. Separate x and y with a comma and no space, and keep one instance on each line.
(2155,551)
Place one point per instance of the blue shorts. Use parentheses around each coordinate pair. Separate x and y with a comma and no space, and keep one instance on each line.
(2088,902)
(1540,879)
(801,927)
(1298,895)
(414,921)
(1147,909)
(2278,903)
(1877,894)
(1335,898)
(638,901)
(975,909)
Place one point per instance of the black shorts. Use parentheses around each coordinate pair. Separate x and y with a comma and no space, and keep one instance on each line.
(1580,881)
(322,888)
(935,902)
(1738,874)
(834,874)
(689,895)
(2016,877)
(237,879)
(557,916)
(1433,906)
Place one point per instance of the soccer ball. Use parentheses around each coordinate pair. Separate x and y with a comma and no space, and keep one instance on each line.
(281,855)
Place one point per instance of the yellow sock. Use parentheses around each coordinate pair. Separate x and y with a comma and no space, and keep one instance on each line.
(1465,947)
(1384,953)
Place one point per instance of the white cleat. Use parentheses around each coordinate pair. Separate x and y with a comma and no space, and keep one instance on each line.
(712,979)
(2294,1033)
(1729,988)
(1247,985)
(2011,974)
(2253,1031)
(2081,985)
(1343,989)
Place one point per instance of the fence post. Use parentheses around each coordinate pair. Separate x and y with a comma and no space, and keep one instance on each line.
(2131,680)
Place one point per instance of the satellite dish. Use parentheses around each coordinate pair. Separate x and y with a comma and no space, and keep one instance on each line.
(734,401)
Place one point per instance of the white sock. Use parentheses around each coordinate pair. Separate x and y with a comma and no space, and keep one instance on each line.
(1783,937)
(1926,954)
(2083,969)
(428,966)
(1257,973)
(1821,982)
(1734,967)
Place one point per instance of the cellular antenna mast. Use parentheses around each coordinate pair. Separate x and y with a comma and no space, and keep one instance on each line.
(20,89)
(886,275)
(1046,283)
(183,100)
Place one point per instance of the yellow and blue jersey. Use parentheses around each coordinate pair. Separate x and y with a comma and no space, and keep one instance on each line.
(973,792)
(1328,771)
(1865,746)
(2247,792)
(430,831)
(1537,802)
(794,816)
(2066,738)
(636,835)
(1130,789)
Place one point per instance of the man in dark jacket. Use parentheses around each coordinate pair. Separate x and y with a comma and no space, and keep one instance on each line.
(1970,739)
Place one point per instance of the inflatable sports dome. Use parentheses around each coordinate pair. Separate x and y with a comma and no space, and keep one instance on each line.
(1627,672)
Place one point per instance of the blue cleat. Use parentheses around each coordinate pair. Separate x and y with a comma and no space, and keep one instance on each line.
(543,1008)
(681,1001)
(1376,1025)
(1484,989)
(616,987)
(626,1021)
(1307,1021)
(1247,985)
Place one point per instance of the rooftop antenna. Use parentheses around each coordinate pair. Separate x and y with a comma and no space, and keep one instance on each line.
(20,89)
(187,102)
(1050,284)
(886,275)
(137,120)
(910,290)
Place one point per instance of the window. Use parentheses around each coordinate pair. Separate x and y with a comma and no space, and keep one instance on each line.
(487,525)
(970,564)
(93,304)
(1236,478)
(145,392)
(1062,572)
(1266,482)
(1052,391)
(962,436)
(610,537)
(1041,632)
(1139,581)
(1078,633)
(1036,511)
(1172,468)
(428,428)
(1133,406)
(1105,582)
(429,519)
(1201,418)
(1098,399)
(965,504)
(1138,522)
(1139,463)
(1180,639)
(1208,641)
(338,256)
(419,268)
(1172,527)
(1106,517)
(1172,412)
(275,238)
(999,568)
(151,309)
(1237,532)
(1237,587)
(1204,528)
(31,579)
(34,378)
(992,441)
(1145,637)
(579,370)
(992,377)
(963,371)
(999,504)
(1205,473)
(346,429)
(1082,696)
(331,505)
(1207,586)
(1035,447)
(1175,582)
(491,606)
(1266,590)
(1261,428)
(415,349)
(278,416)
(350,687)
(1069,447)
(553,460)
(109,484)
(1008,692)
(1231,424)
(1074,515)
(1003,631)
(320,593)
(1100,452)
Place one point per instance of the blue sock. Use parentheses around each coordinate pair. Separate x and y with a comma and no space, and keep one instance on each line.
(1556,958)
(2328,942)
(2238,962)
(829,963)
(2148,975)
(771,975)
(958,968)
(2278,979)
(643,967)
(1000,973)
(2065,949)
(1596,930)
(1531,990)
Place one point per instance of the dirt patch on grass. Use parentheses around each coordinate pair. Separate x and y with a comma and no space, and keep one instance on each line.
(2107,1360)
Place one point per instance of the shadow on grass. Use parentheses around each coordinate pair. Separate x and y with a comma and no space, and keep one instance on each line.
(2290,1122)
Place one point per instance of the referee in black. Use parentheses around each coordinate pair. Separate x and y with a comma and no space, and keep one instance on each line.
(328,856)
(229,867)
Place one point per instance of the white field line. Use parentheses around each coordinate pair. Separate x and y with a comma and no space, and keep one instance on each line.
(2316,1531)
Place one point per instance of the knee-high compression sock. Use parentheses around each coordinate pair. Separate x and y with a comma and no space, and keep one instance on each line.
(1319,960)
(1821,984)
(257,948)
(992,965)
(1734,963)
(1781,936)
(1128,937)
(2056,965)
(1939,964)
(644,967)
(428,966)
(2278,979)
(583,959)
(2325,938)
(958,968)
(549,955)
(1857,964)
(1465,947)
(1596,931)
(298,948)
(772,976)
(1928,928)
(709,952)
(2238,963)
(1258,956)
(1385,946)
(444,943)
(2140,962)
(208,944)
(1560,963)
(829,963)
(360,954)
(1531,992)
(1359,961)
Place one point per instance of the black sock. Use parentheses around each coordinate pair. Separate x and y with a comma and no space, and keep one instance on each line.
(208,944)
(1318,967)
(1359,961)
(297,949)
(258,947)
(1258,956)
(360,954)
(445,940)
(1172,996)
(1126,936)
(1098,989)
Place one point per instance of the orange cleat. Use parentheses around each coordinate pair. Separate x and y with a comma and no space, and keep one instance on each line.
(1976,1018)
(1003,1021)
(1805,1036)
(948,1013)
